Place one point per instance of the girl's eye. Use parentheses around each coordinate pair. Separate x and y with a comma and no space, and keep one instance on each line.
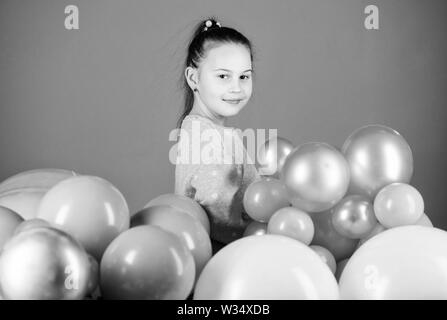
(223,76)
(245,77)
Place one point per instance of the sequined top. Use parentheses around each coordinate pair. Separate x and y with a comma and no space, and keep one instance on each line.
(215,176)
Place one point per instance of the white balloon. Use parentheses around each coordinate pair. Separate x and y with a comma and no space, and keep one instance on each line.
(266,267)
(408,262)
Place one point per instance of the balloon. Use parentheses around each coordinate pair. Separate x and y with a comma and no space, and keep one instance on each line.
(316,176)
(326,256)
(292,222)
(9,220)
(340,267)
(255,228)
(398,204)
(30,224)
(326,236)
(263,198)
(424,220)
(24,201)
(183,203)
(375,231)
(89,208)
(271,156)
(354,217)
(190,230)
(268,267)
(377,156)
(43,263)
(147,263)
(407,262)
(38,179)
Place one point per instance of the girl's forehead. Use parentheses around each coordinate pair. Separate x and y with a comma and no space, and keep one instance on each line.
(233,57)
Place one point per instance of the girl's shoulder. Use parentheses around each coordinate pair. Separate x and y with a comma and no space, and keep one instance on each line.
(201,123)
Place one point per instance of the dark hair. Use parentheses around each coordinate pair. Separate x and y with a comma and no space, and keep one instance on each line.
(208,32)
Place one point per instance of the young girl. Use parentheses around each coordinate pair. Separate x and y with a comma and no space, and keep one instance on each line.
(218,84)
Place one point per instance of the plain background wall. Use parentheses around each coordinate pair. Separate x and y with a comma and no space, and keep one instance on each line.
(102,100)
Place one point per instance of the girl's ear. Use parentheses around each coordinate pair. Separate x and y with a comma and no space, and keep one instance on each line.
(191,76)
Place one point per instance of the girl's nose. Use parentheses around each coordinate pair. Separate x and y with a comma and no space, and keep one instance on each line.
(236,86)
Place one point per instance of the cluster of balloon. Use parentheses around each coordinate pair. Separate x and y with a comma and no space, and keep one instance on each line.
(266,267)
(22,192)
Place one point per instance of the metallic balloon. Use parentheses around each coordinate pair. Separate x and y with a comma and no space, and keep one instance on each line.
(266,267)
(89,208)
(316,176)
(272,155)
(263,198)
(189,229)
(255,228)
(183,203)
(354,216)
(398,204)
(44,263)
(9,221)
(147,263)
(326,236)
(292,222)
(377,156)
(407,262)
(326,256)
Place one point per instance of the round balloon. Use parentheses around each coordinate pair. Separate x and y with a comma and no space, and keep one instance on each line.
(183,203)
(147,263)
(377,156)
(326,256)
(316,176)
(9,220)
(272,155)
(190,231)
(267,267)
(354,216)
(43,263)
(326,236)
(293,223)
(89,208)
(263,198)
(255,228)
(398,204)
(407,262)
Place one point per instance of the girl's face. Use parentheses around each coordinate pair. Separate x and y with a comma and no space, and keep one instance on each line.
(225,80)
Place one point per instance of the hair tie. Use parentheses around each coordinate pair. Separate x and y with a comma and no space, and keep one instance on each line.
(209,24)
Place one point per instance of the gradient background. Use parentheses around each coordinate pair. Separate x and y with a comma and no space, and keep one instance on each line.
(102,100)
